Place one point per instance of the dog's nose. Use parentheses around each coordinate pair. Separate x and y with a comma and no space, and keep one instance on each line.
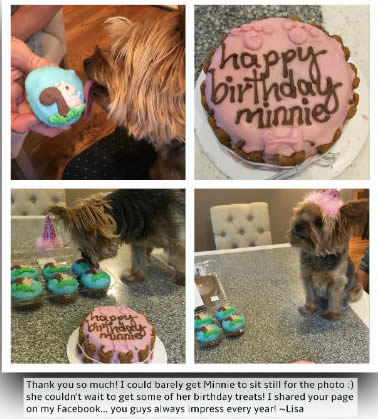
(298,228)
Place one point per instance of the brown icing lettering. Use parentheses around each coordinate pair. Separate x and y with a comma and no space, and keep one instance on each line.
(116,327)
(215,89)
(318,111)
(249,60)
(262,90)
(224,60)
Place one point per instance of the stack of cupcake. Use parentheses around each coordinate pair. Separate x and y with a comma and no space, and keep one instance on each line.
(62,287)
(26,290)
(93,281)
(208,333)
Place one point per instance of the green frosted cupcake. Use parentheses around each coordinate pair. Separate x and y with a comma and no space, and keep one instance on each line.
(26,293)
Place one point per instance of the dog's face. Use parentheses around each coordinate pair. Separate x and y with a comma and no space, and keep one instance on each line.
(91,228)
(315,231)
(309,229)
(141,80)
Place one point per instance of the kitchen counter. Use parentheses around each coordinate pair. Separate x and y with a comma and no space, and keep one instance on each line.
(40,336)
(265,286)
(212,22)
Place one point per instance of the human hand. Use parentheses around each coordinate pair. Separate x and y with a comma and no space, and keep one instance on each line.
(22,118)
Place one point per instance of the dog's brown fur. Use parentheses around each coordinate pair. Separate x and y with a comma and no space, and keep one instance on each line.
(326,268)
(141,82)
(94,222)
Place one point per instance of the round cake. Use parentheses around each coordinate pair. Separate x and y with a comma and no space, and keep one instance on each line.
(279,91)
(117,335)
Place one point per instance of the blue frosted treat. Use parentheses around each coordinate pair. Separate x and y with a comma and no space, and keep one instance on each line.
(62,287)
(80,266)
(26,293)
(22,271)
(209,334)
(224,312)
(202,320)
(55,95)
(234,324)
(95,283)
(50,269)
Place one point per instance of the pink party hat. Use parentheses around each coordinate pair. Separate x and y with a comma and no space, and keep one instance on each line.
(328,200)
(49,239)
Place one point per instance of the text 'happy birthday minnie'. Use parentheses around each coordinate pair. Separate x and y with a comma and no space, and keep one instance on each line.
(258,90)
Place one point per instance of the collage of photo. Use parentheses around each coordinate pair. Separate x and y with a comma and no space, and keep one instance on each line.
(250,247)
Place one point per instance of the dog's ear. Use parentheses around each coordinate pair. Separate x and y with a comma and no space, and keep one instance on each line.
(355,214)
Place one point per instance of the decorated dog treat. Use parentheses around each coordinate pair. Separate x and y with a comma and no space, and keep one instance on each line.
(209,334)
(279,91)
(224,312)
(26,293)
(202,320)
(62,287)
(116,335)
(55,95)
(50,269)
(96,283)
(80,266)
(234,324)
(23,271)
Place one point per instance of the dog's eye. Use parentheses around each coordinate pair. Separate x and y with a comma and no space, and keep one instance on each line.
(318,222)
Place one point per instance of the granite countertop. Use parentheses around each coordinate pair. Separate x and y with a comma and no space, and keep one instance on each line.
(211,22)
(265,286)
(40,336)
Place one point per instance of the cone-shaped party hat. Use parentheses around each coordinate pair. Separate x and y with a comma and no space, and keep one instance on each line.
(49,239)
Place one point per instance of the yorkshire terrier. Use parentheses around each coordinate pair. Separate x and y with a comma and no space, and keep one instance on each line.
(144,219)
(321,228)
(140,82)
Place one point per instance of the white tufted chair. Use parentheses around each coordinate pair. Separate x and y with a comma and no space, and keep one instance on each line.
(35,201)
(241,225)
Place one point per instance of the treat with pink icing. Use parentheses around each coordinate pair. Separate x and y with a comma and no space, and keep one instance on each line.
(279,91)
(116,335)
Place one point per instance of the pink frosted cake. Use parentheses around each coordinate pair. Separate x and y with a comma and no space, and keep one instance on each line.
(116,335)
(279,91)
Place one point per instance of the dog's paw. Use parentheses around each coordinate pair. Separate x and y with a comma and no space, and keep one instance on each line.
(137,276)
(355,293)
(179,278)
(330,315)
(307,309)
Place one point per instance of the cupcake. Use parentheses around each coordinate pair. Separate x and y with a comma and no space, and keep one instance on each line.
(95,283)
(234,325)
(26,293)
(50,269)
(22,271)
(80,266)
(62,288)
(202,320)
(209,335)
(224,312)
